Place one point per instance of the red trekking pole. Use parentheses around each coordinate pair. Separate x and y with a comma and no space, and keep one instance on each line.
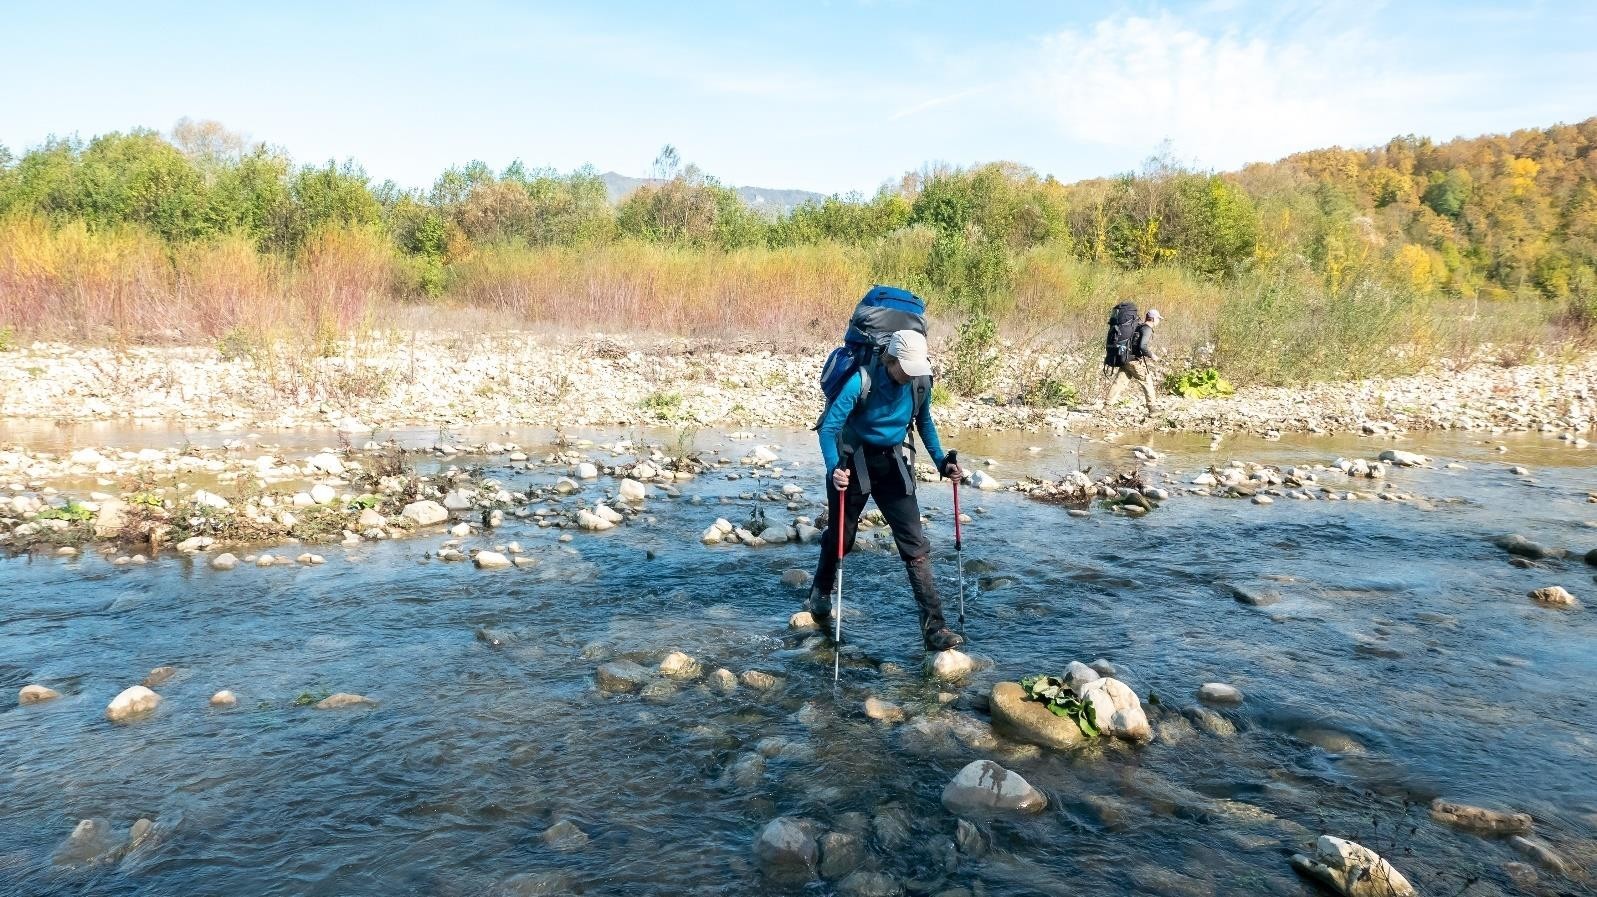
(959,547)
(837,584)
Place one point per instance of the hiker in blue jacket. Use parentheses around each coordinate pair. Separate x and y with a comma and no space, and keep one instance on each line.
(868,453)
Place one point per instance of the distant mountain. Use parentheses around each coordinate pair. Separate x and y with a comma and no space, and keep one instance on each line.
(761,199)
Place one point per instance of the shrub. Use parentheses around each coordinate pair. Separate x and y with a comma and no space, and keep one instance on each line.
(1198,383)
(1048,392)
(973,357)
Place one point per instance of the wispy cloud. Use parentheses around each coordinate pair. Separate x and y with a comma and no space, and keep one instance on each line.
(935,102)
(1302,81)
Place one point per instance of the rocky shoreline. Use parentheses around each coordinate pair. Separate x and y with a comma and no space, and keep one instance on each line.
(455,380)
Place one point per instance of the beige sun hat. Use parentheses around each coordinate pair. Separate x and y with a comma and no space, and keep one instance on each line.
(909,348)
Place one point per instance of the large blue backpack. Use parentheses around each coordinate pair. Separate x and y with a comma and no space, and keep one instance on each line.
(882,312)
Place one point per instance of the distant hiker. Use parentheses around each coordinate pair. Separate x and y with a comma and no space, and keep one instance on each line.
(865,439)
(1129,352)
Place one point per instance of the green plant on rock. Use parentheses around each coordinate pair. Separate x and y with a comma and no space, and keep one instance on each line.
(366,502)
(307,699)
(71,512)
(1198,383)
(663,405)
(1061,701)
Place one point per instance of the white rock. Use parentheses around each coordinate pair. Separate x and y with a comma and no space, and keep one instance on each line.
(342,700)
(1116,709)
(632,490)
(1402,458)
(224,698)
(566,485)
(764,455)
(1219,693)
(591,521)
(460,499)
(1263,500)
(460,530)
(265,560)
(1557,596)
(131,703)
(981,480)
(327,463)
(210,500)
(677,665)
(1353,870)
(722,524)
(224,561)
(311,560)
(775,535)
(323,494)
(712,535)
(302,500)
(36,694)
(490,560)
(605,512)
(950,665)
(370,519)
(425,513)
(586,471)
(984,786)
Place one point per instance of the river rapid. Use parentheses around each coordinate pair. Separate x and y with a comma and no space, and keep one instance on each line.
(1403,662)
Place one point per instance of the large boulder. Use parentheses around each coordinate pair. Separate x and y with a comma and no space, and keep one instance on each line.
(1116,709)
(1352,870)
(1219,693)
(984,482)
(632,490)
(1021,718)
(869,884)
(786,849)
(424,513)
(131,703)
(91,840)
(984,786)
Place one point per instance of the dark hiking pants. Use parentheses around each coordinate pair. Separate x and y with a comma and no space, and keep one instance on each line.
(892,487)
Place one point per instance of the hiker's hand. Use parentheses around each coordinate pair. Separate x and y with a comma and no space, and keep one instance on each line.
(953,471)
(840,478)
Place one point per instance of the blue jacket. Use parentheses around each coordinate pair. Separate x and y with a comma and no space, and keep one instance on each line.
(882,420)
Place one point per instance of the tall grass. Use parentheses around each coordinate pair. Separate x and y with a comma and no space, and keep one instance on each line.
(1269,327)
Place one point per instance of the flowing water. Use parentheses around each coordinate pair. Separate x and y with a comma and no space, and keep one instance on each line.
(1403,662)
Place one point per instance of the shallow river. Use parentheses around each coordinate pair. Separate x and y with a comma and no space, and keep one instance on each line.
(1403,662)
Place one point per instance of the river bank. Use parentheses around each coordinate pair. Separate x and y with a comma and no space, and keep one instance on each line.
(466,379)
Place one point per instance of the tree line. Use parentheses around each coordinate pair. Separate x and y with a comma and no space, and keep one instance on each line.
(1499,216)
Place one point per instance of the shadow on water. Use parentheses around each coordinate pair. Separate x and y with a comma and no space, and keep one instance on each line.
(1395,659)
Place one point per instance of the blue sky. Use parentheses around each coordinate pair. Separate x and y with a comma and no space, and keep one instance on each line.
(833,96)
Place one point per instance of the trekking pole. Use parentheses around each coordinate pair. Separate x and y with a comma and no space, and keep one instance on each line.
(837,586)
(959,547)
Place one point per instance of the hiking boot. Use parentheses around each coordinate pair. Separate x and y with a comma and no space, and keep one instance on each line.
(820,608)
(943,640)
